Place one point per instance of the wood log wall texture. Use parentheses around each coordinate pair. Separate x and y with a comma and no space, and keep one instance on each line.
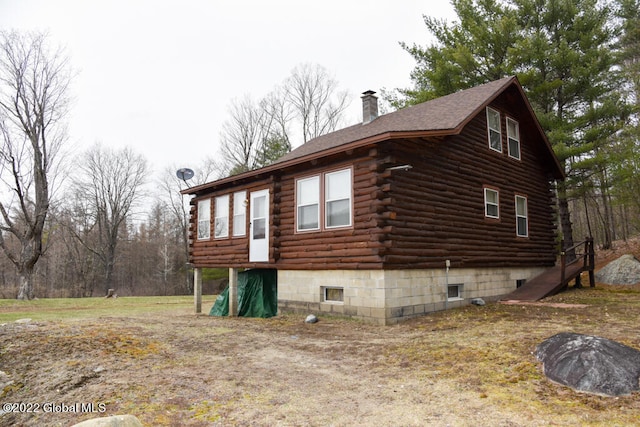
(416,218)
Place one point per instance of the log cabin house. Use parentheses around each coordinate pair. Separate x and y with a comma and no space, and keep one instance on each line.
(414,211)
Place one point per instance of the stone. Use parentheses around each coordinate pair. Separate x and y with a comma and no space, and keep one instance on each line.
(623,271)
(23,321)
(113,421)
(478,301)
(590,364)
(311,319)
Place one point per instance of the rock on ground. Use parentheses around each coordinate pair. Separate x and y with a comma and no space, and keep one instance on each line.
(623,271)
(590,364)
(114,421)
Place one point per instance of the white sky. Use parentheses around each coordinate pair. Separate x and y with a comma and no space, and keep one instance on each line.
(159,75)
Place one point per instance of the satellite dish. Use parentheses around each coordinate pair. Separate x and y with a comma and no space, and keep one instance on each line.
(184,174)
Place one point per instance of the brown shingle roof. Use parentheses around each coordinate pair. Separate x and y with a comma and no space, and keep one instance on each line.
(441,116)
(446,115)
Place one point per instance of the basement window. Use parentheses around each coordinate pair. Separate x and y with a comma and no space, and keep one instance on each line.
(454,292)
(330,294)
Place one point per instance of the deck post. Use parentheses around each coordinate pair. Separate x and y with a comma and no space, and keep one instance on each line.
(233,291)
(197,289)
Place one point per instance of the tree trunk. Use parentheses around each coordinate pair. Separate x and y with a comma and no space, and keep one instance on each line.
(25,291)
(565,220)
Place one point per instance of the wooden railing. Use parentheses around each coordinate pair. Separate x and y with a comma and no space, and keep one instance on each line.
(580,252)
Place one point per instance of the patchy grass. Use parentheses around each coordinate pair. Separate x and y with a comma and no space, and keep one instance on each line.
(83,308)
(153,358)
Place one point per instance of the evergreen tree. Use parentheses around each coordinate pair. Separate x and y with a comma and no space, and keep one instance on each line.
(563,52)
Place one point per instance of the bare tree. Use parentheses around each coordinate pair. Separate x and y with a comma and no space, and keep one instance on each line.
(259,133)
(243,134)
(34,82)
(170,185)
(314,97)
(111,183)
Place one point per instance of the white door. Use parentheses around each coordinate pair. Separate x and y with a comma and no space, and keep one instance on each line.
(259,226)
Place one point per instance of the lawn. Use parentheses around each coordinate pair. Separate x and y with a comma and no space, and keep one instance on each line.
(154,358)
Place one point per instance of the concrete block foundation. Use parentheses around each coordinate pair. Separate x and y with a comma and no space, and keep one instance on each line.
(388,297)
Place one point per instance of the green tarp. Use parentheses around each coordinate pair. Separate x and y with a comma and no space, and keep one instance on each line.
(257,295)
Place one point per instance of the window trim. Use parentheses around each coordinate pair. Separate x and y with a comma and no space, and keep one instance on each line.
(240,203)
(325,298)
(459,287)
(499,130)
(516,139)
(525,216)
(201,220)
(327,200)
(322,201)
(224,207)
(486,203)
(318,203)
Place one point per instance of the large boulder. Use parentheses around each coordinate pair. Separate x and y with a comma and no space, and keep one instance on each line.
(590,364)
(623,271)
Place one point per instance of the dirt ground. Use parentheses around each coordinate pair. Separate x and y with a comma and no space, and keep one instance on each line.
(463,367)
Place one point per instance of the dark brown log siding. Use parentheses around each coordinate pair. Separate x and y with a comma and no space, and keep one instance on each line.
(410,219)
(437,211)
(352,247)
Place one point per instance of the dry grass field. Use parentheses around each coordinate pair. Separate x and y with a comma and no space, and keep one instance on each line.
(155,359)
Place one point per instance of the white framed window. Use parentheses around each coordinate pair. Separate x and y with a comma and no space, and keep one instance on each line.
(221,221)
(494,131)
(491,203)
(522,218)
(454,292)
(327,196)
(513,138)
(332,294)
(204,219)
(240,213)
(308,201)
(337,190)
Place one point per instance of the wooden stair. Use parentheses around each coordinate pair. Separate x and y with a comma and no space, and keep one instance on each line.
(556,279)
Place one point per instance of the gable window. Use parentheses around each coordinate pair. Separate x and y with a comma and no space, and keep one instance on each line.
(239,213)
(491,203)
(493,129)
(522,219)
(513,138)
(338,199)
(221,217)
(308,196)
(204,219)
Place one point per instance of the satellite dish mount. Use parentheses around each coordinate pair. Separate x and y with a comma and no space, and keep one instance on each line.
(184,174)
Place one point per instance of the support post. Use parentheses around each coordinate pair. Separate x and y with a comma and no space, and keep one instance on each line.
(197,289)
(233,292)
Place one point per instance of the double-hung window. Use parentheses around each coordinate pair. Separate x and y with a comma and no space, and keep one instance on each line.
(308,196)
(326,196)
(204,219)
(221,217)
(491,203)
(522,219)
(493,129)
(337,190)
(239,213)
(513,138)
